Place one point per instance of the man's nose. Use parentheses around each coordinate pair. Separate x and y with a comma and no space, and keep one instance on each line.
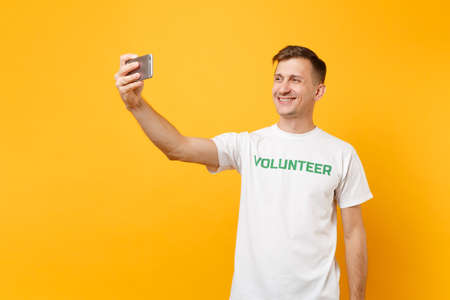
(284,88)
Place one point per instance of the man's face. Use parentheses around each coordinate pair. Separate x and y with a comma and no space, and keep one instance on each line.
(294,88)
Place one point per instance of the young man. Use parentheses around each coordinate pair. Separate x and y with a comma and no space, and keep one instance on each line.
(293,175)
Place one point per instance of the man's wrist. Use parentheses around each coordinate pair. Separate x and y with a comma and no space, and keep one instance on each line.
(139,106)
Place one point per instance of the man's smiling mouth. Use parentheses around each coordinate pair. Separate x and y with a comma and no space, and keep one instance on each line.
(286,99)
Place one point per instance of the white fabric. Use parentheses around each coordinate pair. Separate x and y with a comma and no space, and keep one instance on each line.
(286,237)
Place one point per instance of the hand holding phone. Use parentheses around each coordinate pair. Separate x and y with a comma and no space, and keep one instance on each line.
(129,81)
(145,66)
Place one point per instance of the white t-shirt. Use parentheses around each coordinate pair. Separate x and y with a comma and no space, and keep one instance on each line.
(286,237)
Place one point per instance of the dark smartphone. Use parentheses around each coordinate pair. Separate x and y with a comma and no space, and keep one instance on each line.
(145,66)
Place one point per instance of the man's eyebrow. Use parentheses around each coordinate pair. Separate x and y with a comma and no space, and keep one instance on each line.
(292,75)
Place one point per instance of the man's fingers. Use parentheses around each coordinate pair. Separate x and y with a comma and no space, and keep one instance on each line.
(125,69)
(125,57)
(131,86)
(127,79)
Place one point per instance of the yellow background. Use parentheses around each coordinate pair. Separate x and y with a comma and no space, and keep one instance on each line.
(91,209)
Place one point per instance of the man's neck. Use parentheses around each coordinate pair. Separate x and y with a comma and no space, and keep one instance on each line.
(296,125)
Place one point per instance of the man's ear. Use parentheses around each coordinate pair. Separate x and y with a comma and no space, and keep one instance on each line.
(320,91)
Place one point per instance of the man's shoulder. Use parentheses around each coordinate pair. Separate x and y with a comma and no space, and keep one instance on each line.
(258,134)
(261,131)
(335,142)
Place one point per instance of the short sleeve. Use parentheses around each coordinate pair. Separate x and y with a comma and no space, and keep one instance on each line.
(353,189)
(229,147)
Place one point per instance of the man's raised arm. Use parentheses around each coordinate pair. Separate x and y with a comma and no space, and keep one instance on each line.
(163,134)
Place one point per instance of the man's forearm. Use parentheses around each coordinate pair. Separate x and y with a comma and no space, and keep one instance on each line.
(163,134)
(356,259)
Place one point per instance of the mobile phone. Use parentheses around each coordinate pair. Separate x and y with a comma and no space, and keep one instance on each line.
(145,66)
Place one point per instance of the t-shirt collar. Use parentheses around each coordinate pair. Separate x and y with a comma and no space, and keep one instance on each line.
(279,132)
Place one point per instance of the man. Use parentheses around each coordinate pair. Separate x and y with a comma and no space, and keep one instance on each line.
(293,175)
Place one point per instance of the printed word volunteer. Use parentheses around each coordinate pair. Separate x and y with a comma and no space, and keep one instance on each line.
(288,164)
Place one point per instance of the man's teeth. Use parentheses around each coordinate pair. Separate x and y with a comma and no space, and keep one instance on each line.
(286,99)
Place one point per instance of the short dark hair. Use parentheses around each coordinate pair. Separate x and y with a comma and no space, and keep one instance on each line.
(288,52)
